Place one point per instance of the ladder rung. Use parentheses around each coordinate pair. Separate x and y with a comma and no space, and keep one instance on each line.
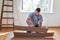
(7,24)
(7,18)
(9,5)
(8,11)
(9,0)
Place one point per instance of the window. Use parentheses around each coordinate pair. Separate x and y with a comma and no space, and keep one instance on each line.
(30,5)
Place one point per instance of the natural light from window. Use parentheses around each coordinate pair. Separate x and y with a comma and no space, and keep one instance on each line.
(30,5)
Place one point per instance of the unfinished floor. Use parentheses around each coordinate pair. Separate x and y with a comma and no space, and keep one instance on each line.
(55,30)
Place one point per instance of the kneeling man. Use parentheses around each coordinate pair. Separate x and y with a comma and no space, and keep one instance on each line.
(35,19)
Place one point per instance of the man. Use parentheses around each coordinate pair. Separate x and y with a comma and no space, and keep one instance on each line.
(35,19)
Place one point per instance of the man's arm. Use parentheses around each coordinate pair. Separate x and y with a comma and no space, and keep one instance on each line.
(40,21)
(28,21)
(40,24)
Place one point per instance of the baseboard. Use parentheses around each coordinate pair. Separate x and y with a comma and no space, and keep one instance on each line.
(47,26)
(6,27)
(27,26)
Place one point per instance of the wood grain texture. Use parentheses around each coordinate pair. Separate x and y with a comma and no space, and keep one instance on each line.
(25,28)
(41,35)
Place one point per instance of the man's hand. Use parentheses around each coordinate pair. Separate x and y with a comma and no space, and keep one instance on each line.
(31,25)
(40,24)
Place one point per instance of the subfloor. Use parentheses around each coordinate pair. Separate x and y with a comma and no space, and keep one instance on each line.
(8,31)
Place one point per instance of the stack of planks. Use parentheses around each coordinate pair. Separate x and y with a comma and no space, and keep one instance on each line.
(42,32)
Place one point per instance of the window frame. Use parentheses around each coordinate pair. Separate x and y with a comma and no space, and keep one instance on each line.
(51,5)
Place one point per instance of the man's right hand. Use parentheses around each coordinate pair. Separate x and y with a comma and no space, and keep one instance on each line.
(31,25)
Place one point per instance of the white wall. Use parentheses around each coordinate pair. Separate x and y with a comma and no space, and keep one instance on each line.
(49,19)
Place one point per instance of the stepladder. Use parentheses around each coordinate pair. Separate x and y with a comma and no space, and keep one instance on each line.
(7,18)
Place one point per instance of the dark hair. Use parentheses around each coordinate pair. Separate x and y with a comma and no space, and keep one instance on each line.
(38,9)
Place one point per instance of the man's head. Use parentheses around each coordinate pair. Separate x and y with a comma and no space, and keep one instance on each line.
(37,11)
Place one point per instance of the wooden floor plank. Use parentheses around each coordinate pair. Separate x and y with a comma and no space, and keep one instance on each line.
(31,29)
(33,34)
